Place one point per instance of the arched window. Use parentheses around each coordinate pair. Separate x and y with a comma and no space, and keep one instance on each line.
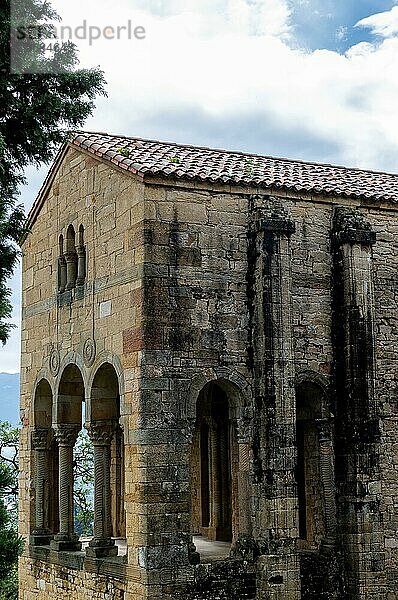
(71,258)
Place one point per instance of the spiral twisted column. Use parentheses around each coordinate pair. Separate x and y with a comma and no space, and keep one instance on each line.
(41,534)
(102,544)
(66,539)
(326,466)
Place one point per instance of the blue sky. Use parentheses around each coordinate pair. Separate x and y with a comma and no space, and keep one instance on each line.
(308,79)
(330,24)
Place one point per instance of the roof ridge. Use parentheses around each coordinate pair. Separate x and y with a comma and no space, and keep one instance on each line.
(239,153)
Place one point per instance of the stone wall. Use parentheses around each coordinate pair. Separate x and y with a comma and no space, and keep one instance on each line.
(83,326)
(189,285)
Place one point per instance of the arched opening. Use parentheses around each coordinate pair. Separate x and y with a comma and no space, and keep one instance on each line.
(70,239)
(71,258)
(107,437)
(212,459)
(43,405)
(45,467)
(311,500)
(70,397)
(81,235)
(83,490)
(67,424)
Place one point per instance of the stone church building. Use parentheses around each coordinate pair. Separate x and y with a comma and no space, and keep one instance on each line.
(225,326)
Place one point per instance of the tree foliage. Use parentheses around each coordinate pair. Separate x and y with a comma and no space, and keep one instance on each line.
(10,542)
(9,448)
(83,469)
(38,108)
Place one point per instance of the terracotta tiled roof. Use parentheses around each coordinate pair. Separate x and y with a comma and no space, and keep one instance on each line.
(170,160)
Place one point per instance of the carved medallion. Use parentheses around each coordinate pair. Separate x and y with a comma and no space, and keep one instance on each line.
(54,361)
(89,351)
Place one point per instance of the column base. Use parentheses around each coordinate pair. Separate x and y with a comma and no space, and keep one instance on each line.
(40,538)
(62,543)
(101,548)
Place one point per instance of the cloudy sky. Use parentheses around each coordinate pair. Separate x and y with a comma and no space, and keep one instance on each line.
(309,79)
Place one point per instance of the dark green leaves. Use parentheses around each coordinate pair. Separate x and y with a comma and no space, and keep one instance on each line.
(37,112)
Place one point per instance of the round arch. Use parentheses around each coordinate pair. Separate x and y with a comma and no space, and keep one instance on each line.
(42,404)
(70,396)
(314,456)
(234,385)
(103,419)
(44,464)
(104,395)
(106,358)
(70,239)
(312,388)
(218,401)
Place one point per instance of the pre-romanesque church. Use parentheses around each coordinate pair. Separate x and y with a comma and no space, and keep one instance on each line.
(225,327)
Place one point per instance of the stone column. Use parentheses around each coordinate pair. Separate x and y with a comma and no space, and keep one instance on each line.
(71,269)
(275,514)
(41,535)
(358,413)
(81,265)
(102,544)
(326,469)
(117,483)
(214,484)
(66,539)
(224,482)
(62,277)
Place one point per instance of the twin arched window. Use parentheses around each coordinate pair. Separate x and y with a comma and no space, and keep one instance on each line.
(71,260)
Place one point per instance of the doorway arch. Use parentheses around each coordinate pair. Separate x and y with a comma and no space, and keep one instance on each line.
(213,458)
(311,417)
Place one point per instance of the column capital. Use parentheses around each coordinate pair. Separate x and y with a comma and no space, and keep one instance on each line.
(70,256)
(101,432)
(66,434)
(269,214)
(81,250)
(324,427)
(39,437)
(351,227)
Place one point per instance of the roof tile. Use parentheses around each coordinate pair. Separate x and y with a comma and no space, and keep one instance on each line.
(149,157)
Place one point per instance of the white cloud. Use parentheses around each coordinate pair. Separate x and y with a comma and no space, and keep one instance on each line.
(227,63)
(234,58)
(227,69)
(384,24)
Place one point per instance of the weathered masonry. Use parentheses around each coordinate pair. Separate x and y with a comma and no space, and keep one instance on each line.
(226,328)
